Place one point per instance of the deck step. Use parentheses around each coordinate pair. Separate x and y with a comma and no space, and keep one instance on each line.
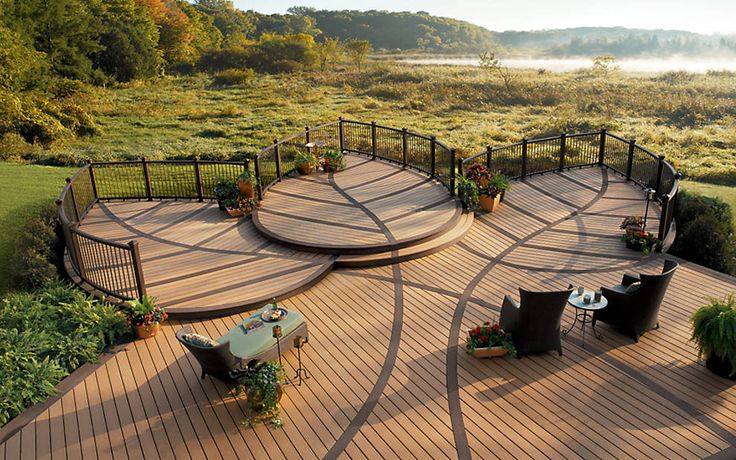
(440,242)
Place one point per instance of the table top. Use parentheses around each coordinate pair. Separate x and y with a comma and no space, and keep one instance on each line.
(577,301)
(245,341)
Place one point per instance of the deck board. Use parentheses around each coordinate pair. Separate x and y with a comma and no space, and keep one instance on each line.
(612,399)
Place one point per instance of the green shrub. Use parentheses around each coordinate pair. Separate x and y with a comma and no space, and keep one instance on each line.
(38,252)
(233,77)
(705,233)
(47,334)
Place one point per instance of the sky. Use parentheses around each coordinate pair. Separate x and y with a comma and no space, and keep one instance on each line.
(702,16)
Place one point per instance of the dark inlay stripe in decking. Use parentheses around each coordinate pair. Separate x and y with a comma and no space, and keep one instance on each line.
(319,221)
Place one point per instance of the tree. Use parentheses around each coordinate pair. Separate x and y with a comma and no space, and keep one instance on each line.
(328,52)
(20,65)
(489,62)
(176,32)
(357,51)
(603,65)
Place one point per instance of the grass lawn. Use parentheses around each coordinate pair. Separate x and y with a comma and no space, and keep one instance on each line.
(24,189)
(724,192)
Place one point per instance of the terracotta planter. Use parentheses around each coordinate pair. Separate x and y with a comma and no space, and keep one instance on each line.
(235,212)
(145,332)
(246,188)
(719,366)
(488,203)
(305,169)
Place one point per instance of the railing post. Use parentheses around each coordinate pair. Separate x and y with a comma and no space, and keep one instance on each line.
(563,151)
(660,167)
(452,172)
(664,218)
(404,147)
(523,158)
(92,178)
(135,253)
(602,148)
(489,156)
(259,182)
(373,139)
(306,134)
(342,135)
(433,154)
(460,167)
(198,179)
(147,179)
(630,161)
(74,200)
(277,156)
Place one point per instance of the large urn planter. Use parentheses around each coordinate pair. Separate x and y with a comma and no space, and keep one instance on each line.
(305,169)
(254,396)
(489,203)
(720,366)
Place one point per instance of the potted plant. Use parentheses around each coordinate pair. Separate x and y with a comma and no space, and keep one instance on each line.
(333,161)
(489,341)
(478,174)
(636,237)
(262,384)
(246,184)
(305,162)
(467,191)
(225,190)
(241,206)
(714,333)
(145,316)
(490,196)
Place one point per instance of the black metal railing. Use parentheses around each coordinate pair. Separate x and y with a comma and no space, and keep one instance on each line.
(538,156)
(115,268)
(400,146)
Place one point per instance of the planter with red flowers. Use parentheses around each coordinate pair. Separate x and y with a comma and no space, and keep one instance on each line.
(146,317)
(636,237)
(489,341)
(332,161)
(241,206)
(491,186)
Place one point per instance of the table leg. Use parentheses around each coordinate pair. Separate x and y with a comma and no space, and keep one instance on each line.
(585,317)
(574,322)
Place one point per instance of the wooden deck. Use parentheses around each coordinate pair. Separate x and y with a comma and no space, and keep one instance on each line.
(389,377)
(370,207)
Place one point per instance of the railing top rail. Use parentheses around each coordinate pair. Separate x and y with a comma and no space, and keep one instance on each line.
(647,151)
(62,214)
(390,128)
(182,162)
(617,137)
(96,239)
(294,136)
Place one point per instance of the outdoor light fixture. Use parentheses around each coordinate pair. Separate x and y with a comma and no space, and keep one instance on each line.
(650,196)
(300,371)
(277,335)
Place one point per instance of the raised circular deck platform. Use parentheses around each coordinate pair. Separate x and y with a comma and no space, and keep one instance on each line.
(370,207)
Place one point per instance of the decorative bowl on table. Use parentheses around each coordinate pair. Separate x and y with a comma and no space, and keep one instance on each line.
(271,315)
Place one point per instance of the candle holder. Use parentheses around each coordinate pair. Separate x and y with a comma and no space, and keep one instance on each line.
(581,291)
(277,335)
(301,372)
(586,299)
(598,295)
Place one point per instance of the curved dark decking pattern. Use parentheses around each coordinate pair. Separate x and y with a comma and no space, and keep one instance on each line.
(388,376)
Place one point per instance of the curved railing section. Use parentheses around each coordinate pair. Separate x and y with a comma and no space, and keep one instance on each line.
(538,156)
(400,146)
(115,268)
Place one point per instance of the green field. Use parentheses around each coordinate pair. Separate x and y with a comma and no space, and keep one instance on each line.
(24,189)
(724,192)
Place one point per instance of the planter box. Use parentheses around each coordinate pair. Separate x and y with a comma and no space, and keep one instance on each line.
(488,203)
(488,352)
(235,212)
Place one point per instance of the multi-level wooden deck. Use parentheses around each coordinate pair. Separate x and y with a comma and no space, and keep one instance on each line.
(389,375)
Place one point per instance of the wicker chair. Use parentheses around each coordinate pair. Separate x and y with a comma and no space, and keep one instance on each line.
(535,324)
(634,309)
(216,361)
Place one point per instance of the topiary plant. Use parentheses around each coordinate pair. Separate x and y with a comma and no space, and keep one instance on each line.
(714,330)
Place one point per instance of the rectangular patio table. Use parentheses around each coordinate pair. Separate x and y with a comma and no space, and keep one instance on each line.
(259,343)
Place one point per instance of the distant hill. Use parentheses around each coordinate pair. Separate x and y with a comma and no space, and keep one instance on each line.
(401,31)
(618,41)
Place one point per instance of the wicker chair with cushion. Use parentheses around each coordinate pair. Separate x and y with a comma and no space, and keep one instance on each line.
(215,358)
(633,305)
(535,323)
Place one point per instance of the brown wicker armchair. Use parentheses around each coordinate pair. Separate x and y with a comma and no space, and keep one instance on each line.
(216,361)
(634,308)
(535,324)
